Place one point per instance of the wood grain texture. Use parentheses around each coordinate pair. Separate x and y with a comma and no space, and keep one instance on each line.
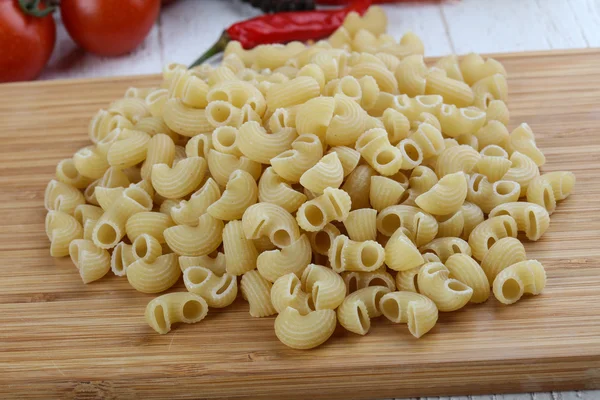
(60,338)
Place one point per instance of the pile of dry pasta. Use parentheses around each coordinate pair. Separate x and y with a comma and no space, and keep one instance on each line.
(335,182)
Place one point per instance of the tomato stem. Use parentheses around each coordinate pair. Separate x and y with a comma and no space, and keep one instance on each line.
(218,47)
(33,8)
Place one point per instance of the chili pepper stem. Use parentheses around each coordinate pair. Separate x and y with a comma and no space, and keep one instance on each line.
(32,8)
(218,47)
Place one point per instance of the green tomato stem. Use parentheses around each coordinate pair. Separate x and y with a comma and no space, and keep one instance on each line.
(32,8)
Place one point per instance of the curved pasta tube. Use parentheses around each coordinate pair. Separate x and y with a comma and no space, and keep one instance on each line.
(451,225)
(68,174)
(327,289)
(154,277)
(104,122)
(498,111)
(90,162)
(492,133)
(416,310)
(410,75)
(171,308)
(333,204)
(446,196)
(86,212)
(422,226)
(304,331)
(357,309)
(361,224)
(327,173)
(160,150)
(531,218)
(451,66)
(222,165)
(483,237)
(195,241)
(264,219)
(374,146)
(384,192)
(224,139)
(199,145)
(463,268)
(291,259)
(91,261)
(460,121)
(401,254)
(314,116)
(491,88)
(445,247)
(447,293)
(522,140)
(348,157)
(180,180)
(62,197)
(238,94)
(186,121)
(349,255)
(545,190)
(489,195)
(358,186)
(273,189)
(187,212)
(121,258)
(128,149)
(321,241)
(155,101)
(150,222)
(523,170)
(455,159)
(106,197)
(504,253)
(385,79)
(216,264)
(475,68)
(257,291)
(290,93)
(412,154)
(240,193)
(453,91)
(562,183)
(396,125)
(146,248)
(494,168)
(218,291)
(111,226)
(407,280)
(422,179)
(306,151)
(347,123)
(131,108)
(523,277)
(359,280)
(258,145)
(287,292)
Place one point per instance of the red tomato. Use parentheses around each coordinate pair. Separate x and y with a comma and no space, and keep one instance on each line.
(26,42)
(109,27)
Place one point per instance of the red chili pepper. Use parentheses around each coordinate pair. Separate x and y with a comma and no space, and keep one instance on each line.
(284,27)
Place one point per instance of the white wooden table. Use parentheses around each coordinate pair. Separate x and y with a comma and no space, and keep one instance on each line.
(188,27)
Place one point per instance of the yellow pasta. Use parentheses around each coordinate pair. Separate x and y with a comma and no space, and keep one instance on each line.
(384,192)
(304,331)
(546,189)
(90,162)
(531,218)
(215,263)
(447,293)
(273,189)
(412,154)
(504,253)
(187,212)
(149,222)
(451,225)
(451,66)
(463,268)
(91,261)
(396,124)
(460,121)
(347,123)
(60,196)
(306,151)
(408,280)
(171,308)
(287,292)
(146,248)
(294,258)
(422,179)
(272,221)
(69,175)
(295,91)
(349,255)
(257,291)
(179,181)
(355,313)
(359,280)
(238,94)
(154,277)
(221,166)
(321,241)
(489,195)
(474,68)
(255,143)
(326,173)
(333,204)
(199,145)
(104,122)
(457,158)
(483,237)
(358,186)
(445,247)
(494,168)
(416,310)
(446,196)
(522,140)
(348,157)
(195,241)
(410,74)
(327,289)
(401,254)
(523,277)
(362,224)
(420,224)
(385,79)
(523,170)
(218,291)
(240,193)
(488,89)
(374,146)
(492,133)
(453,91)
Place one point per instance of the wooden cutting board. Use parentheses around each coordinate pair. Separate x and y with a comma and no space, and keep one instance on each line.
(60,338)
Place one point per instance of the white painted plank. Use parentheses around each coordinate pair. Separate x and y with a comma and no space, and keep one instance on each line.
(423,19)
(587,14)
(512,25)
(190,27)
(69,61)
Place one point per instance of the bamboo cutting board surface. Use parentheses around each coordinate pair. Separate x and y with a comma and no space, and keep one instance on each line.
(61,338)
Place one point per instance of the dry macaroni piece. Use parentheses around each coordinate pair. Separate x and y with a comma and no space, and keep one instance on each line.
(329,182)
